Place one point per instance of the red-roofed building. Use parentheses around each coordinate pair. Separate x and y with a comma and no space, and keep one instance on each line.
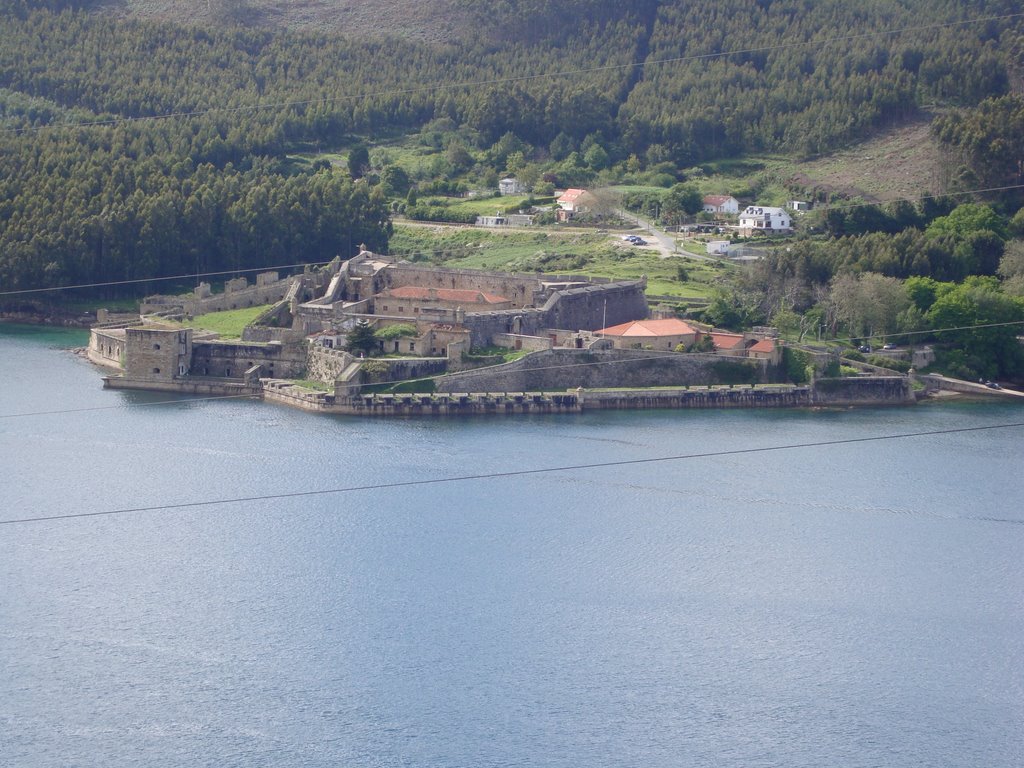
(573,201)
(654,334)
(413,300)
(765,349)
(729,343)
(721,204)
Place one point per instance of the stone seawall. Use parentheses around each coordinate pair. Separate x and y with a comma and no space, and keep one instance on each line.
(864,390)
(511,403)
(186,386)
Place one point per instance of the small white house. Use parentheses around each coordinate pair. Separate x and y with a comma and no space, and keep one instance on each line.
(511,186)
(718,247)
(759,218)
(721,204)
(798,205)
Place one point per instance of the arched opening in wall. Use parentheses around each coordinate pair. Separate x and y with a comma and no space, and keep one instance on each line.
(156,346)
(227,372)
(156,370)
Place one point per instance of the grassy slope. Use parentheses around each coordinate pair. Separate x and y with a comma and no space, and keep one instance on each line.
(230,323)
(555,252)
(902,163)
(427,20)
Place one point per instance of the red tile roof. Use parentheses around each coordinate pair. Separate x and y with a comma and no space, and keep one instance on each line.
(717,200)
(764,345)
(444,294)
(571,195)
(669,327)
(726,340)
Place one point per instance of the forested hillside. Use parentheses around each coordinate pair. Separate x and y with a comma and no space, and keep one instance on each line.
(662,84)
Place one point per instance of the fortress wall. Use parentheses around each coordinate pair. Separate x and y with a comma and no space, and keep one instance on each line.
(232,359)
(596,307)
(107,347)
(863,390)
(239,299)
(571,368)
(157,354)
(326,365)
(589,308)
(519,341)
(519,289)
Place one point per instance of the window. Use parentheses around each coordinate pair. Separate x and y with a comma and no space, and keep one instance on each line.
(156,346)
(412,346)
(156,370)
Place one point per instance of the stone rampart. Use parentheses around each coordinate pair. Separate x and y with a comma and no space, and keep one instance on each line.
(519,341)
(589,308)
(247,297)
(325,364)
(229,359)
(519,289)
(863,390)
(395,369)
(570,368)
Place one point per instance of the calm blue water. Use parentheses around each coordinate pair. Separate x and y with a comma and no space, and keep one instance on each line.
(854,605)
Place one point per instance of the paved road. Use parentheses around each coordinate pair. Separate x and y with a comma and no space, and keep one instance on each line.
(662,241)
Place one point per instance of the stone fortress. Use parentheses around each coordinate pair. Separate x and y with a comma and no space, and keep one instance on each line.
(574,332)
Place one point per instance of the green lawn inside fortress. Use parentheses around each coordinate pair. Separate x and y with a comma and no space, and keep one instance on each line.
(230,323)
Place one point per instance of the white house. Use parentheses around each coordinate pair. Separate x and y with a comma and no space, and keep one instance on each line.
(720,204)
(511,186)
(573,201)
(758,218)
(798,205)
(718,247)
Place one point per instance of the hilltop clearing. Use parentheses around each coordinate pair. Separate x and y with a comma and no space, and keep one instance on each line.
(900,164)
(424,20)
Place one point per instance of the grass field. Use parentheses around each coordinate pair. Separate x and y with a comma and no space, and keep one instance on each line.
(578,253)
(487,206)
(230,323)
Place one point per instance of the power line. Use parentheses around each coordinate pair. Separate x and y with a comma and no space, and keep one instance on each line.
(127,405)
(850,206)
(451,249)
(499,475)
(158,279)
(517,78)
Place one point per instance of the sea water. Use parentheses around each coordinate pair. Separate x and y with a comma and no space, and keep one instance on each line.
(688,602)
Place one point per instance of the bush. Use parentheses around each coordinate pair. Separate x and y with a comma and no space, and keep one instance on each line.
(796,364)
(885,362)
(391,332)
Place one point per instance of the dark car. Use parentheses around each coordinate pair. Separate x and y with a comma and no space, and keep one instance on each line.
(864,348)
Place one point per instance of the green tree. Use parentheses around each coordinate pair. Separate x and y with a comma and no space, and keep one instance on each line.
(358,161)
(991,351)
(362,339)
(967,219)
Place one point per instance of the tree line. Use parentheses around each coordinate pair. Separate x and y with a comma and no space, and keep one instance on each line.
(86,196)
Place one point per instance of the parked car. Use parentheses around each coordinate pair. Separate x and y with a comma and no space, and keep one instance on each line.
(639,241)
(864,348)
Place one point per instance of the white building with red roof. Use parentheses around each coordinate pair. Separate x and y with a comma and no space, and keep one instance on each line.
(572,202)
(721,204)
